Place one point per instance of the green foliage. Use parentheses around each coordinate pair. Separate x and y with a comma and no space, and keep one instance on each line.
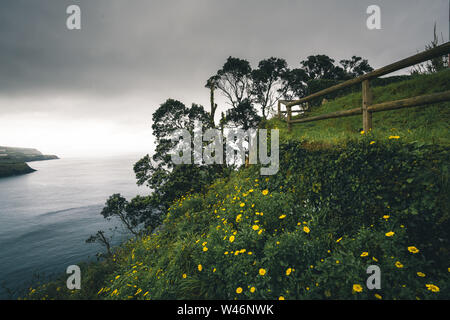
(267,83)
(309,232)
(322,67)
(166,180)
(426,124)
(355,67)
(273,79)
(243,116)
(436,64)
(233,80)
(342,201)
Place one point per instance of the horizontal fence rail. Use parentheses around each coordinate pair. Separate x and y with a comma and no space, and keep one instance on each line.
(368,107)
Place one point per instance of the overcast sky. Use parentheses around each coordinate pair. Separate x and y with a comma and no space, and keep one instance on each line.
(94,90)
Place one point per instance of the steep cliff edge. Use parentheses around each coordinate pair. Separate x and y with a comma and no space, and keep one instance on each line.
(13,160)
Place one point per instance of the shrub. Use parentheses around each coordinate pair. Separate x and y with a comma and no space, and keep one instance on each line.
(309,232)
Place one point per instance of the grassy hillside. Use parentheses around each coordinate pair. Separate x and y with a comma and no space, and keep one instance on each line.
(341,202)
(426,124)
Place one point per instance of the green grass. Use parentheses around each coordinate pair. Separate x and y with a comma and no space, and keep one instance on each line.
(428,124)
(311,231)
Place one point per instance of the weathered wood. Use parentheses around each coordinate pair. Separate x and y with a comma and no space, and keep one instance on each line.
(337,114)
(408,62)
(386,106)
(411,102)
(367,101)
(293,111)
(289,117)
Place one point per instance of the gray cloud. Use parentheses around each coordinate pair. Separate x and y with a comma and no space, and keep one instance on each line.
(130,56)
(176,45)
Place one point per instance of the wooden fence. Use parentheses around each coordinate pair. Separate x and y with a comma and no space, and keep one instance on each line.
(368,108)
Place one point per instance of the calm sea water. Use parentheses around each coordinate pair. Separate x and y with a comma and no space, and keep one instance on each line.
(46,216)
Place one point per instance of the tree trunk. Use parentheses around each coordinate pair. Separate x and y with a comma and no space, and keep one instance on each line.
(213,106)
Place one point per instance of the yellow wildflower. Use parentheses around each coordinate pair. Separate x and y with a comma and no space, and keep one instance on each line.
(288,271)
(239,290)
(262,272)
(390,234)
(200,267)
(399,265)
(255,227)
(306,229)
(357,288)
(282,216)
(252,289)
(364,254)
(421,274)
(231,239)
(265,192)
(413,249)
(432,287)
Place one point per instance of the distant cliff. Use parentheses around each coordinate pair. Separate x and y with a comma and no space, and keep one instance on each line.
(13,160)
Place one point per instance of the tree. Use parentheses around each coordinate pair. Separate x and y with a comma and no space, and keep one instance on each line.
(169,117)
(211,85)
(243,116)
(103,240)
(234,80)
(117,206)
(167,180)
(134,214)
(295,84)
(322,67)
(267,83)
(355,67)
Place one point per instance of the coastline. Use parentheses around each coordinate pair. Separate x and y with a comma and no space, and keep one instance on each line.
(13,161)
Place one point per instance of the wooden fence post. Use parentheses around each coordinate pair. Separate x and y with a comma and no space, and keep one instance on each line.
(289,116)
(367,101)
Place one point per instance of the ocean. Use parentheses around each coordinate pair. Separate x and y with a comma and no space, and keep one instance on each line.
(46,216)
